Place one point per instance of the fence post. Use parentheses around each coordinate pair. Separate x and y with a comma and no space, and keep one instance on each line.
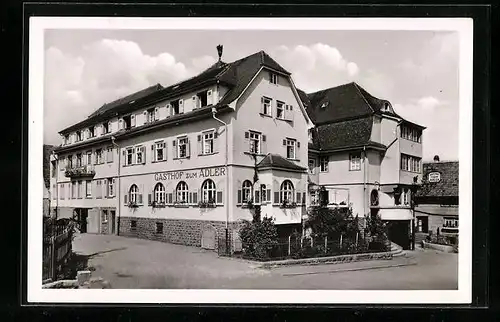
(312,242)
(53,258)
(340,240)
(289,240)
(326,243)
(357,236)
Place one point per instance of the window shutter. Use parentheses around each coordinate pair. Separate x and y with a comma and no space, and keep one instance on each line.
(174,148)
(165,150)
(188,149)
(268,194)
(143,149)
(190,197)
(200,145)
(195,198)
(153,154)
(169,110)
(145,114)
(297,200)
(149,199)
(210,99)
(303,200)
(239,196)
(139,197)
(216,141)
(247,140)
(219,197)
(157,114)
(291,113)
(262,101)
(297,152)
(194,102)
(125,197)
(120,124)
(284,142)
(263,146)
(276,197)
(181,106)
(132,120)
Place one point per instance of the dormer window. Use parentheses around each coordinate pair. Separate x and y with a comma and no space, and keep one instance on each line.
(325,104)
(310,136)
(91,132)
(177,107)
(127,122)
(105,127)
(78,136)
(150,115)
(66,139)
(273,78)
(201,99)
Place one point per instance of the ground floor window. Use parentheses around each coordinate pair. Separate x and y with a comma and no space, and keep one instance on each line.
(247,191)
(104,216)
(133,224)
(208,191)
(450,222)
(159,228)
(286,192)
(159,193)
(182,192)
(132,194)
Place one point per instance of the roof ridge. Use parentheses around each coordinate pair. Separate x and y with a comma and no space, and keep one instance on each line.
(363,96)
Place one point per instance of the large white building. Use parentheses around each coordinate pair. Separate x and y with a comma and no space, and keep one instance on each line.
(184,163)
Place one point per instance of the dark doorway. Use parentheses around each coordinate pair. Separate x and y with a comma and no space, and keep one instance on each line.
(113,221)
(82,218)
(399,232)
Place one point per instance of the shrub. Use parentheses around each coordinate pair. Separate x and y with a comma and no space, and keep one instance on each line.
(332,222)
(258,237)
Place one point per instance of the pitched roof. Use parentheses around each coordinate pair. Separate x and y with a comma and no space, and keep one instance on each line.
(236,75)
(447,186)
(276,161)
(344,134)
(343,102)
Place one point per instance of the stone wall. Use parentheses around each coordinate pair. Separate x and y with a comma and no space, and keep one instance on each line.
(175,231)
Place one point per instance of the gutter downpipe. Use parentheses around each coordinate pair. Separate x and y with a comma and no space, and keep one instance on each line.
(227,176)
(364,180)
(119,186)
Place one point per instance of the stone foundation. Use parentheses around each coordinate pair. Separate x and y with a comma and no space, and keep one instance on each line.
(175,231)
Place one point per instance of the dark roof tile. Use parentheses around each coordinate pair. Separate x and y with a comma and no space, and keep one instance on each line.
(277,161)
(448,183)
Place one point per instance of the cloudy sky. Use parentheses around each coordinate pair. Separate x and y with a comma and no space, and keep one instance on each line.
(417,71)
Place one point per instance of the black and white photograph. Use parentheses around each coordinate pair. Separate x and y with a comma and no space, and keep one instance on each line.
(251,160)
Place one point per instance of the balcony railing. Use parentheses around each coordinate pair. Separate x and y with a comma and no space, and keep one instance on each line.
(83,171)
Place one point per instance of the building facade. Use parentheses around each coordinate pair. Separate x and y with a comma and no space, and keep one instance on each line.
(365,155)
(436,207)
(185,163)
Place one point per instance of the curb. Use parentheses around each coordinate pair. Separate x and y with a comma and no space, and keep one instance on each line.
(352,269)
(340,259)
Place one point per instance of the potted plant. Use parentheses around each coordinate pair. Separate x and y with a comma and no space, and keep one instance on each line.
(207,204)
(132,204)
(288,204)
(248,204)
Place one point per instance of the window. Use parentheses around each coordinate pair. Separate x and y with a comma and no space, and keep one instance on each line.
(132,194)
(98,156)
(66,139)
(264,196)
(91,132)
(139,155)
(286,191)
(450,222)
(254,138)
(89,157)
(247,191)
(273,78)
(159,151)
(208,191)
(159,193)
(177,107)
(266,106)
(61,191)
(88,189)
(323,164)
(182,147)
(355,161)
(106,127)
(201,99)
(406,196)
(79,160)
(290,148)
(133,224)
(159,228)
(310,136)
(78,136)
(104,216)
(80,189)
(411,133)
(109,156)
(110,187)
(130,156)
(181,192)
(70,161)
(150,115)
(208,142)
(54,168)
(410,163)
(280,110)
(127,122)
(312,165)
(98,193)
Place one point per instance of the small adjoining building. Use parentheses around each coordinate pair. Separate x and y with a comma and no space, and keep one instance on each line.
(436,201)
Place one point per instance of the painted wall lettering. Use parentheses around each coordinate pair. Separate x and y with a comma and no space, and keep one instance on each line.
(192,174)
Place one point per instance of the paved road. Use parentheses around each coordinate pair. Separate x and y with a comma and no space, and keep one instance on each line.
(137,263)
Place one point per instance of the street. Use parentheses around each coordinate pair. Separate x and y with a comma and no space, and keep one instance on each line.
(137,263)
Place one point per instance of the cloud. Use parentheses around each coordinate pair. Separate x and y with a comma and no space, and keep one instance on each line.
(316,66)
(441,134)
(105,70)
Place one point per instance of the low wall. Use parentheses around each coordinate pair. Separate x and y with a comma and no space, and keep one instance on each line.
(438,247)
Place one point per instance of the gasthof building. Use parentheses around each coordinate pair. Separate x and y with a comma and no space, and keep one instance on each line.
(184,163)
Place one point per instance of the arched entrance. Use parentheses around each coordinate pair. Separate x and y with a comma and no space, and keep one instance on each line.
(208,237)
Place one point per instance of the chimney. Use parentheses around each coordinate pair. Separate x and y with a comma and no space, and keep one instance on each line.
(219,51)
(436,158)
